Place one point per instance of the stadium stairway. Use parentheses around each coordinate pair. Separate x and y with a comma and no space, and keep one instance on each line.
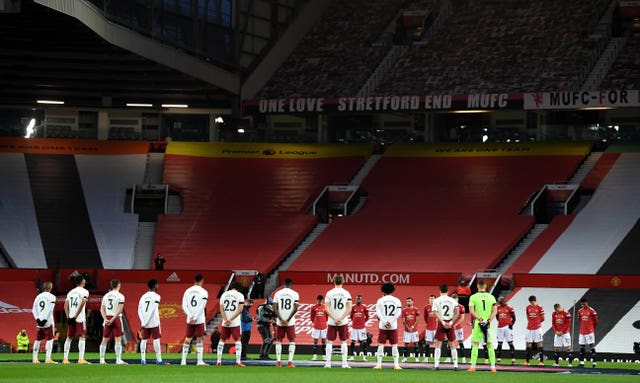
(67,235)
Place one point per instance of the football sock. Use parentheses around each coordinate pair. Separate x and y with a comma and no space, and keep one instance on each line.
(353,347)
(528,354)
(48,347)
(454,356)
(462,349)
(379,354)
(292,351)
(143,349)
(499,350)
(200,351)
(593,353)
(315,347)
(513,350)
(344,349)
(67,347)
(328,351)
(81,345)
(238,351)
(582,353)
(395,354)
(492,356)
(118,349)
(278,351)
(103,350)
(474,355)
(405,350)
(220,350)
(157,348)
(36,348)
(185,351)
(541,349)
(436,357)
(556,356)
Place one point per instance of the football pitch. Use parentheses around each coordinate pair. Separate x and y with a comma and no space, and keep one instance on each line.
(17,368)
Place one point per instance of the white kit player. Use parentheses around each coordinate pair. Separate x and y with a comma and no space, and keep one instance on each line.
(194,302)
(285,305)
(150,322)
(338,305)
(388,311)
(43,313)
(111,310)
(446,310)
(74,308)
(231,305)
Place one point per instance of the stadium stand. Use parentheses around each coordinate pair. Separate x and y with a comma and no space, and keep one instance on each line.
(16,299)
(429,211)
(259,201)
(601,225)
(340,52)
(497,46)
(105,179)
(625,71)
(19,231)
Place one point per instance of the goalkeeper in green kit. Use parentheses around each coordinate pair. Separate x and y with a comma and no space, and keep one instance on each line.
(482,307)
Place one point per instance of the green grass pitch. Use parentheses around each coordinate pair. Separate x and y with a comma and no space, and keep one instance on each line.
(16,368)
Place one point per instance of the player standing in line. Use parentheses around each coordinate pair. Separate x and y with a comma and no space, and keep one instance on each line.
(43,313)
(432,325)
(446,310)
(338,305)
(458,327)
(388,310)
(285,305)
(111,310)
(410,319)
(319,320)
(506,319)
(231,305)
(588,322)
(482,308)
(359,317)
(561,323)
(535,317)
(74,308)
(150,322)
(194,302)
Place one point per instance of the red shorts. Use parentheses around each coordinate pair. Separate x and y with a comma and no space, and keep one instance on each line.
(445,333)
(76,329)
(341,331)
(289,331)
(195,330)
(227,332)
(45,333)
(146,333)
(388,335)
(114,330)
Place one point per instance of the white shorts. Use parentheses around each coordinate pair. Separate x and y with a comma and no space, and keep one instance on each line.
(410,337)
(504,334)
(429,335)
(562,341)
(319,334)
(459,334)
(533,336)
(585,339)
(359,334)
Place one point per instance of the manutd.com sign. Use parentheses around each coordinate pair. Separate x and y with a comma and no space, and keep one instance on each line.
(371,278)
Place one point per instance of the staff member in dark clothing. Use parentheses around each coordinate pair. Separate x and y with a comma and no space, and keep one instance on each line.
(246,323)
(266,317)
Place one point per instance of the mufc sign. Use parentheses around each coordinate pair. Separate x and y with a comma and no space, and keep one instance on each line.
(576,100)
